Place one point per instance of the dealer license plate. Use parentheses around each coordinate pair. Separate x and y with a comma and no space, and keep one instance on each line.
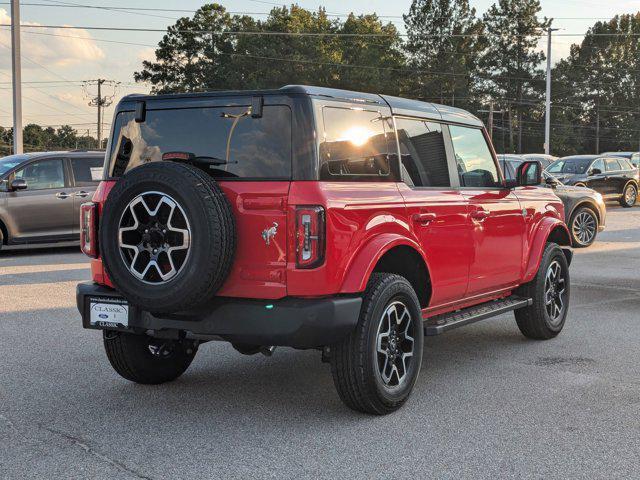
(108,312)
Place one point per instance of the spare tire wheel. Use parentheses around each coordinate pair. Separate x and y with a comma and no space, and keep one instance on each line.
(167,237)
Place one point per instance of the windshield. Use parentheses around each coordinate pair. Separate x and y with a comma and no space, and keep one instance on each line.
(570,165)
(224,141)
(7,163)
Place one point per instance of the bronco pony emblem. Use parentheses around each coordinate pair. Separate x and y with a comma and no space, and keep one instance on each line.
(269,233)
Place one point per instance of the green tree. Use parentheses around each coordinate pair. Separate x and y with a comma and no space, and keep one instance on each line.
(444,42)
(597,89)
(511,66)
(208,52)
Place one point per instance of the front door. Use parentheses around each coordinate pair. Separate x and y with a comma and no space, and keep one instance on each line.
(495,216)
(437,212)
(44,211)
(597,176)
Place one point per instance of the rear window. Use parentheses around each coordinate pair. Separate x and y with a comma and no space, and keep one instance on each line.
(226,142)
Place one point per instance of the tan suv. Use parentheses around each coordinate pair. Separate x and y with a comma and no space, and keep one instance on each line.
(41,194)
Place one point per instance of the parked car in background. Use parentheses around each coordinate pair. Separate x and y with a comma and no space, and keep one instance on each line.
(41,194)
(613,177)
(626,155)
(584,208)
(635,160)
(543,158)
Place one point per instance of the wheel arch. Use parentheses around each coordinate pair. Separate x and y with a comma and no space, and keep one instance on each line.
(5,232)
(390,254)
(585,203)
(550,230)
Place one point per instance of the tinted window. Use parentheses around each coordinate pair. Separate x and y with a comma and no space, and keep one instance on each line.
(625,164)
(7,163)
(476,167)
(422,152)
(356,145)
(613,165)
(87,171)
(598,165)
(44,174)
(570,165)
(508,169)
(224,141)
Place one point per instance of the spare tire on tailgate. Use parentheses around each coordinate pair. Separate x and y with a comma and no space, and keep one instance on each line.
(167,236)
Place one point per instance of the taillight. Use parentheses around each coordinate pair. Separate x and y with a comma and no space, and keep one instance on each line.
(310,226)
(89,229)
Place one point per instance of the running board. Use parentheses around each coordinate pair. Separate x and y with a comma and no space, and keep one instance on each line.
(448,321)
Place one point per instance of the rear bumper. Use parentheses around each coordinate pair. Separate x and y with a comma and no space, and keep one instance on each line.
(294,322)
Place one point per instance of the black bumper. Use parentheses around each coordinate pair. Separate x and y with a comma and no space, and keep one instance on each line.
(294,322)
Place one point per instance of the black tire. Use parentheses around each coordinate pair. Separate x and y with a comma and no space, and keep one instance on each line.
(212,236)
(629,196)
(356,363)
(535,321)
(131,357)
(583,227)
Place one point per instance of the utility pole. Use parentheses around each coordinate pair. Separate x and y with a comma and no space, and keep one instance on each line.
(490,122)
(547,116)
(17,77)
(100,101)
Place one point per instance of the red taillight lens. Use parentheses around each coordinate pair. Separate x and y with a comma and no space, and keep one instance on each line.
(310,227)
(89,229)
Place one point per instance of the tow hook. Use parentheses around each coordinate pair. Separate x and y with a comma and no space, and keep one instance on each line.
(267,351)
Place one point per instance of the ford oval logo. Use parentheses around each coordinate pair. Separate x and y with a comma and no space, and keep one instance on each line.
(103,315)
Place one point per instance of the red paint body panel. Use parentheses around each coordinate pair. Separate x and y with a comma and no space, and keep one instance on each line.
(469,259)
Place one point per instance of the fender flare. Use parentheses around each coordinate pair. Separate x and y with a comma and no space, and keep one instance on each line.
(364,262)
(548,226)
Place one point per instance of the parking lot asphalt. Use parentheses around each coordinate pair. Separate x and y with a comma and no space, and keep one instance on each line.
(488,404)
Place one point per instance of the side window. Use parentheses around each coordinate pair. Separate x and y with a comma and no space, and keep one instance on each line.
(613,165)
(87,171)
(423,157)
(598,165)
(476,167)
(358,145)
(43,175)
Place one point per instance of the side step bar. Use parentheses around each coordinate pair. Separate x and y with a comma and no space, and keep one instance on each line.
(448,321)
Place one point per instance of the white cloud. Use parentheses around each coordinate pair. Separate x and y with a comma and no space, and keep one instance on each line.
(60,47)
(147,54)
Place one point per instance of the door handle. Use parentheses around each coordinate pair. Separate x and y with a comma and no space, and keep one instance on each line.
(82,194)
(63,195)
(480,214)
(424,218)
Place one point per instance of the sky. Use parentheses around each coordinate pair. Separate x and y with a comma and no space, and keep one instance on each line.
(57,57)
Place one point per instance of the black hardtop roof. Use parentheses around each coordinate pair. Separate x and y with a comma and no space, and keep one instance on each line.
(398,105)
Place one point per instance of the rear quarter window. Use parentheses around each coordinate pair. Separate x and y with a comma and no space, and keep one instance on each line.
(226,142)
(357,145)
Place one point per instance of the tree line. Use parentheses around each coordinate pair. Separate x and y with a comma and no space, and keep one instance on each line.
(39,139)
(450,54)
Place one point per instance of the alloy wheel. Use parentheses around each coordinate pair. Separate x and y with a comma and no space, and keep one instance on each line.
(584,227)
(630,195)
(394,344)
(554,292)
(154,237)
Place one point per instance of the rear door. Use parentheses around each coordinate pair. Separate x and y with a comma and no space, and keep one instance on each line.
(44,211)
(438,212)
(496,219)
(616,179)
(86,173)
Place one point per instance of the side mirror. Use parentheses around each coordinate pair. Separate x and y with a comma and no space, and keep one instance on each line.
(595,171)
(552,181)
(529,173)
(18,184)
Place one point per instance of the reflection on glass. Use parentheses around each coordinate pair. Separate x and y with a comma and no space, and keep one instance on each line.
(476,167)
(356,145)
(211,138)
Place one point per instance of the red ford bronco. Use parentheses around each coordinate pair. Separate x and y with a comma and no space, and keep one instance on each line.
(308,217)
